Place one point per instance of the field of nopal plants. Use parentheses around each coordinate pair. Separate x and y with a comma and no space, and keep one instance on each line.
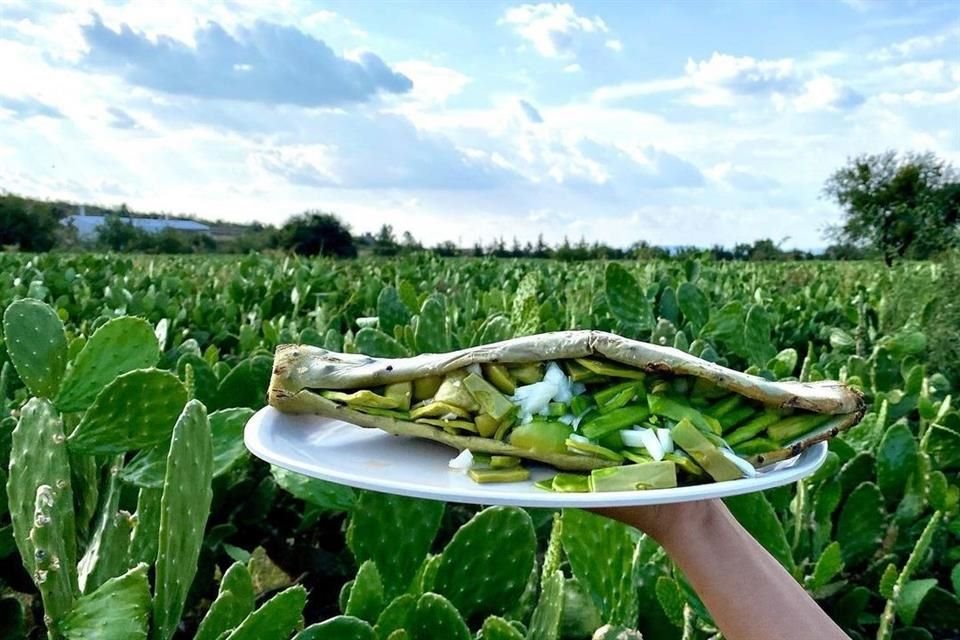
(132,509)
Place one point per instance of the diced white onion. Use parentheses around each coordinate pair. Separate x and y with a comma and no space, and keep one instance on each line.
(449,416)
(567,419)
(576,422)
(475,368)
(742,464)
(462,462)
(646,438)
(578,388)
(666,439)
(578,438)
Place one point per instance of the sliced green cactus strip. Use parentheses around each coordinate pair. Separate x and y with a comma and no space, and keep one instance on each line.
(496,628)
(339,628)
(105,547)
(276,618)
(52,574)
(118,610)
(476,586)
(366,596)
(396,615)
(37,345)
(146,526)
(545,622)
(118,347)
(602,557)
(184,508)
(436,617)
(135,411)
(38,456)
(375,516)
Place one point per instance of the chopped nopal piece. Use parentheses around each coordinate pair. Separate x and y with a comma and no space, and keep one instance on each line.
(676,410)
(490,400)
(486,425)
(795,426)
(362,398)
(590,449)
(698,446)
(438,410)
(402,392)
(500,377)
(631,477)
(527,373)
(545,436)
(614,421)
(504,462)
(570,483)
(612,369)
(484,476)
(426,388)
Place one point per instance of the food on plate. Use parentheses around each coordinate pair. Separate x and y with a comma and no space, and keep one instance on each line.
(609,413)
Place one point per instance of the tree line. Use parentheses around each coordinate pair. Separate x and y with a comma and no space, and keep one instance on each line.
(894,206)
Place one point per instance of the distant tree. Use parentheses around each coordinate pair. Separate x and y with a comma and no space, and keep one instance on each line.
(410,244)
(119,234)
(29,225)
(385,243)
(447,249)
(902,206)
(315,233)
(765,250)
(478,250)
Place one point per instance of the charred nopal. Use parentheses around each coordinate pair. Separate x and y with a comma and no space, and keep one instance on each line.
(612,413)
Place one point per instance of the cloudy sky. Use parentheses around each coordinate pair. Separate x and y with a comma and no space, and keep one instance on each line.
(676,123)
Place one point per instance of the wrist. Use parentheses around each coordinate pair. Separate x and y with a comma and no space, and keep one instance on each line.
(678,525)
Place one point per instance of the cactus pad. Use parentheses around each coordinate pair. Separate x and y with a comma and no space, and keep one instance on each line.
(118,610)
(276,618)
(432,334)
(109,543)
(391,310)
(374,342)
(612,632)
(366,596)
(375,516)
(184,508)
(37,345)
(234,603)
(860,526)
(627,301)
(396,615)
(338,628)
(545,623)
(52,574)
(602,557)
(467,574)
(436,617)
(120,346)
(146,526)
(496,628)
(38,456)
(135,411)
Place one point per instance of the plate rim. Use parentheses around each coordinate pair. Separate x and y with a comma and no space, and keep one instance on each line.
(803,465)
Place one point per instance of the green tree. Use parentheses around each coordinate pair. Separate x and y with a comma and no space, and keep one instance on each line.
(119,234)
(28,224)
(902,206)
(315,233)
(385,243)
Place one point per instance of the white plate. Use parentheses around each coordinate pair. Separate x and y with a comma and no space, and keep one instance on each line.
(372,459)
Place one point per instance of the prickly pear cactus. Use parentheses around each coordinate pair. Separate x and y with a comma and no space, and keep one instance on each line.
(366,595)
(374,517)
(339,628)
(626,299)
(108,550)
(120,346)
(391,310)
(545,622)
(612,632)
(134,411)
(38,456)
(426,575)
(396,615)
(374,342)
(602,556)
(554,554)
(860,526)
(37,345)
(432,334)
(118,610)
(496,628)
(51,573)
(466,574)
(234,602)
(184,508)
(146,526)
(276,618)
(436,617)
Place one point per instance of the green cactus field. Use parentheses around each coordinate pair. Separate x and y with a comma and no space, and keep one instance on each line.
(132,509)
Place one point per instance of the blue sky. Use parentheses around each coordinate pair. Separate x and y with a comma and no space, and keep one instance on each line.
(675,123)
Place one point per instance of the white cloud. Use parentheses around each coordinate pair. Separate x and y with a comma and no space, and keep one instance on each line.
(919,45)
(432,84)
(824,92)
(572,68)
(557,31)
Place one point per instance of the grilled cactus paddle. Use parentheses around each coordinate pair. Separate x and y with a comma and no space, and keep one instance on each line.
(576,400)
